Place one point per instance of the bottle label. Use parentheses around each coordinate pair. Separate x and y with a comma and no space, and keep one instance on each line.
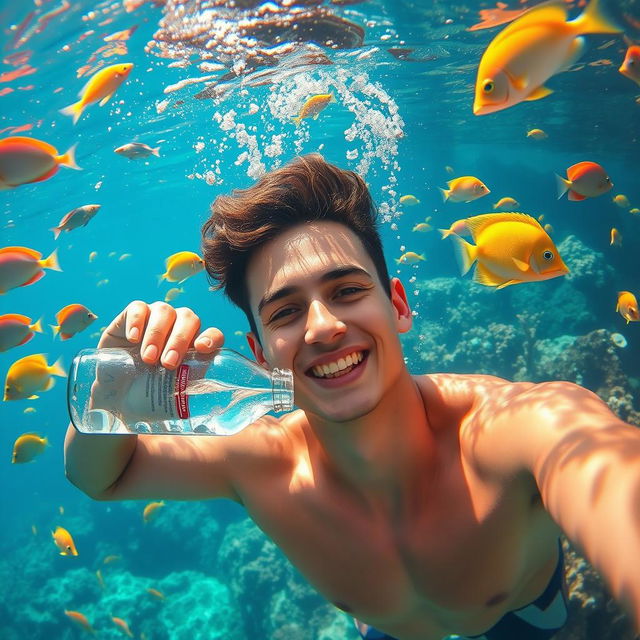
(182,399)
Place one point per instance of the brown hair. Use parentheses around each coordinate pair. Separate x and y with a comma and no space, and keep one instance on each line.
(307,189)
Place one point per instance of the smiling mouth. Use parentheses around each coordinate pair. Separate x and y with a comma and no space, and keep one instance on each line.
(338,368)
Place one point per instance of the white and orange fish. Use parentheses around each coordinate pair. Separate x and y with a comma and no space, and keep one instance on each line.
(537,134)
(615,238)
(531,49)
(25,160)
(180,266)
(16,329)
(80,619)
(151,510)
(506,203)
(28,447)
(21,266)
(71,320)
(464,189)
(124,627)
(78,217)
(630,67)
(100,88)
(313,106)
(627,306)
(135,150)
(64,542)
(29,375)
(584,180)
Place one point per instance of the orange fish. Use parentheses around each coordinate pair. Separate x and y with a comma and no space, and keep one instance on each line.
(123,625)
(71,320)
(64,542)
(80,619)
(28,447)
(631,65)
(180,266)
(30,374)
(100,87)
(24,160)
(313,106)
(151,509)
(616,238)
(464,189)
(584,180)
(628,306)
(16,329)
(156,594)
(21,266)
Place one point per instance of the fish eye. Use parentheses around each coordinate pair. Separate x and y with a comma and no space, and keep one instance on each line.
(548,255)
(488,86)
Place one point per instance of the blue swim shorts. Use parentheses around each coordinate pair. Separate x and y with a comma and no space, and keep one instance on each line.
(539,620)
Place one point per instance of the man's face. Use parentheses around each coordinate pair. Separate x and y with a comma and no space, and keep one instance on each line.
(322,312)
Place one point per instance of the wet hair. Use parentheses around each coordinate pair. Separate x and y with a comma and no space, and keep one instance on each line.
(308,189)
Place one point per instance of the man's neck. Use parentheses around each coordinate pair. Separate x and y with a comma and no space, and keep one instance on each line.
(386,456)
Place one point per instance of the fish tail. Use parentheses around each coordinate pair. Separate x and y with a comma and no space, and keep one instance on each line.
(445,193)
(56,369)
(37,326)
(75,110)
(51,262)
(296,120)
(56,232)
(55,328)
(445,233)
(156,152)
(563,185)
(466,253)
(161,278)
(69,158)
(593,20)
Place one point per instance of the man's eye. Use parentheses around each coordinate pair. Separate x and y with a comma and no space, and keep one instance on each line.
(283,313)
(346,291)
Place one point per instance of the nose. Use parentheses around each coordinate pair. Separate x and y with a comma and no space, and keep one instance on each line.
(322,325)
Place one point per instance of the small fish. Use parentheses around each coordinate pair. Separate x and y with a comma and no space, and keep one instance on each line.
(627,306)
(537,134)
(71,320)
(100,87)
(422,227)
(180,266)
(61,510)
(541,217)
(150,511)
(135,150)
(34,529)
(29,410)
(156,594)
(100,579)
(112,254)
(26,160)
(78,217)
(506,203)
(173,293)
(449,169)
(124,256)
(16,329)
(630,67)
(92,256)
(622,201)
(619,340)
(64,542)
(584,180)
(102,283)
(635,211)
(21,266)
(615,238)
(525,54)
(111,558)
(313,106)
(80,619)
(30,374)
(410,257)
(464,189)
(511,248)
(28,447)
(548,228)
(409,200)
(459,228)
(123,626)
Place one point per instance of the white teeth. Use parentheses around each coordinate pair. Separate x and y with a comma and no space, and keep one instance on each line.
(331,368)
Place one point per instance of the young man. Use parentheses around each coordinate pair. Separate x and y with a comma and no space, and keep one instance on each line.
(421,505)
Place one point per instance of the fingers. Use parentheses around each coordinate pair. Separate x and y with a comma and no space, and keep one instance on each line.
(209,340)
(127,326)
(185,327)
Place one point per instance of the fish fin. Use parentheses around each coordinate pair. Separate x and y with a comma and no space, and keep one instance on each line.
(539,93)
(593,20)
(161,278)
(563,185)
(484,276)
(33,397)
(66,336)
(35,278)
(445,193)
(69,158)
(75,110)
(477,224)
(50,383)
(56,232)
(55,328)
(574,195)
(16,316)
(106,99)
(332,98)
(445,233)
(617,307)
(51,262)
(466,253)
(296,120)
(520,264)
(552,11)
(56,369)
(156,152)
(576,50)
(30,252)
(508,283)
(37,326)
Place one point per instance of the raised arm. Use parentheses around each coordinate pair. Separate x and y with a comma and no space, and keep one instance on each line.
(120,467)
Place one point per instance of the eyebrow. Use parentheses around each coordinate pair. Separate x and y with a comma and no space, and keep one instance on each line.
(334,274)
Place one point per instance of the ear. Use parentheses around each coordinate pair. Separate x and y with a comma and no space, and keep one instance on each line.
(256,349)
(404,319)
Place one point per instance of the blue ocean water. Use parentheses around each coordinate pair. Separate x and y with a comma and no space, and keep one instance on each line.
(402,116)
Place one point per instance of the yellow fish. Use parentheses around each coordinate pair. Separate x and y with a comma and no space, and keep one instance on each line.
(464,189)
(532,48)
(410,257)
(537,134)
(151,509)
(628,306)
(64,542)
(616,238)
(635,211)
(510,248)
(313,106)
(29,410)
(180,266)
(422,227)
(409,200)
(173,293)
(92,256)
(459,228)
(506,203)
(100,87)
(622,201)
(28,447)
(30,374)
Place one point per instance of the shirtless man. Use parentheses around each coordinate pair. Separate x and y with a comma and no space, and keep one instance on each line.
(420,505)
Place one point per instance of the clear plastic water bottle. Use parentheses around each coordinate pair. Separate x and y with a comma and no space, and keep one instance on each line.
(112,390)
